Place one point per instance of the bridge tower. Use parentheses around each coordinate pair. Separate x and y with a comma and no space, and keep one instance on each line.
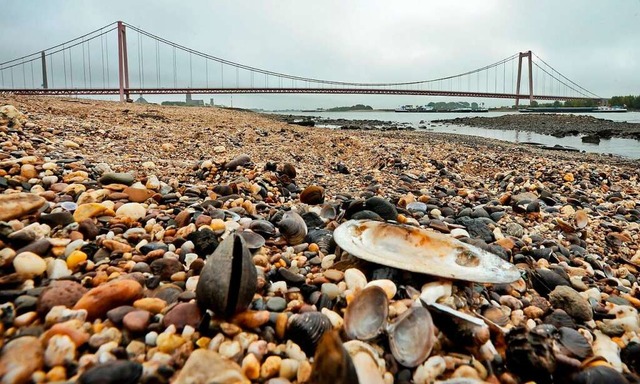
(123,64)
(522,55)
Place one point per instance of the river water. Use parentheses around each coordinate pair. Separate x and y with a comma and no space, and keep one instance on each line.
(622,147)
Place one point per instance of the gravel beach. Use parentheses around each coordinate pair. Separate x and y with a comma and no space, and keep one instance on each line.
(151,244)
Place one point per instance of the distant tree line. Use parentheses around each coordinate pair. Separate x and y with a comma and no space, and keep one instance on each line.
(357,107)
(630,101)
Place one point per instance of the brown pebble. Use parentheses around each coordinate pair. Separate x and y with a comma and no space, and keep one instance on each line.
(136,321)
(62,292)
(182,315)
(104,297)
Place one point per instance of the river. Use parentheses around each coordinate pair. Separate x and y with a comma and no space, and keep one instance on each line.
(622,147)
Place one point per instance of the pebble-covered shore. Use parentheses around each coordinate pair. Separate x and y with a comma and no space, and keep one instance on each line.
(558,125)
(151,244)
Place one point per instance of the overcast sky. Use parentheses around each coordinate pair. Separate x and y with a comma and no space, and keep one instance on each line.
(594,43)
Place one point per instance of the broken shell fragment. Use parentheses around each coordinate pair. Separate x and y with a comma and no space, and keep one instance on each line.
(228,280)
(365,316)
(411,336)
(418,250)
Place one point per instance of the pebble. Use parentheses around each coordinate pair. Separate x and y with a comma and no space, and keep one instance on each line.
(566,298)
(60,350)
(16,205)
(204,366)
(112,372)
(183,314)
(136,321)
(20,358)
(133,211)
(270,367)
(107,296)
(29,263)
(276,304)
(116,178)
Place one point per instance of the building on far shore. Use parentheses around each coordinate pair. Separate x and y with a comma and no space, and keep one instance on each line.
(189,102)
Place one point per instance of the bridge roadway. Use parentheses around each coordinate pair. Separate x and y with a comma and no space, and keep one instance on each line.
(360,91)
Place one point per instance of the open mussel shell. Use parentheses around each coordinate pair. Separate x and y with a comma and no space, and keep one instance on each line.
(293,228)
(366,314)
(306,329)
(418,250)
(228,279)
(411,336)
(252,240)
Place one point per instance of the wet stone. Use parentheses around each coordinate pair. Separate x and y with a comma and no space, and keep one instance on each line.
(112,372)
(116,178)
(515,230)
(61,292)
(571,302)
(276,304)
(182,315)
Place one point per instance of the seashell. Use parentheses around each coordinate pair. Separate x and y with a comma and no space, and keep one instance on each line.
(68,205)
(382,207)
(411,336)
(434,291)
(366,215)
(312,195)
(630,356)
(289,170)
(607,348)
(530,355)
(228,280)
(366,314)
(238,161)
(418,250)
(544,281)
(293,228)
(306,329)
(252,240)
(597,374)
(496,315)
(324,239)
(328,212)
(564,226)
(573,344)
(332,363)
(417,206)
(581,218)
(460,327)
(264,228)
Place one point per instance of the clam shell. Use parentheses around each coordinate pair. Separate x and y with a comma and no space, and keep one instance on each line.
(293,228)
(411,336)
(366,314)
(252,240)
(418,250)
(263,227)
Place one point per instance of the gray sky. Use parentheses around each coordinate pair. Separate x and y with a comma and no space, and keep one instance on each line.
(594,43)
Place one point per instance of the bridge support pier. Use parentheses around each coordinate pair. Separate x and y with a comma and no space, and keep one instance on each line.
(123,64)
(45,83)
(530,64)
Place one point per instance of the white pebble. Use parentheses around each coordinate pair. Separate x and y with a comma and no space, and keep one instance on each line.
(29,263)
(150,338)
(355,279)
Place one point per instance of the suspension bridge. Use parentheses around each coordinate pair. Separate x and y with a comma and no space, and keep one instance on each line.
(121,59)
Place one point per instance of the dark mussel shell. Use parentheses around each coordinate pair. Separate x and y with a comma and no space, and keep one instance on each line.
(544,281)
(573,344)
(306,329)
(530,355)
(332,364)
(324,239)
(228,280)
(264,228)
(599,374)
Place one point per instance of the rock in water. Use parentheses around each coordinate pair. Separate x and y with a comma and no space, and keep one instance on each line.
(15,205)
(20,358)
(113,372)
(204,367)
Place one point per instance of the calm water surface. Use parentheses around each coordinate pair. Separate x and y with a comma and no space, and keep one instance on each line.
(623,147)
